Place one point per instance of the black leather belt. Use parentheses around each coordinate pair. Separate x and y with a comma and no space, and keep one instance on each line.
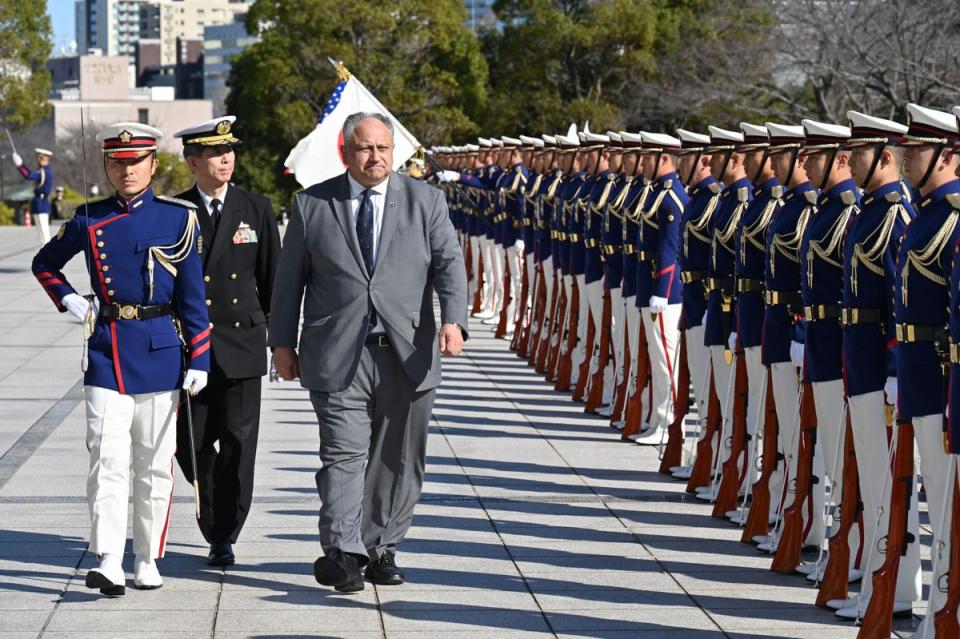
(853,316)
(790,298)
(722,284)
(689,277)
(821,312)
(747,285)
(133,311)
(377,339)
(910,333)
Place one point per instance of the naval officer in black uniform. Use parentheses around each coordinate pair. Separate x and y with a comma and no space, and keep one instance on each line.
(241,245)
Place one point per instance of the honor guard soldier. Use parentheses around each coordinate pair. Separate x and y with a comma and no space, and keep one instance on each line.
(510,222)
(726,166)
(748,269)
(241,247)
(922,299)
(546,244)
(693,167)
(575,218)
(42,179)
(611,239)
(533,147)
(821,280)
(782,344)
(869,337)
(142,252)
(658,276)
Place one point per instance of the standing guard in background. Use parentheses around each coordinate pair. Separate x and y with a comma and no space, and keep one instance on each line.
(748,269)
(509,222)
(922,354)
(726,166)
(43,185)
(658,276)
(242,247)
(547,245)
(693,167)
(142,253)
(782,345)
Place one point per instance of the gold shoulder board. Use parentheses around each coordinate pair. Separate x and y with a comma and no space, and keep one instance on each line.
(811,196)
(848,197)
(742,194)
(714,188)
(954,200)
(893,196)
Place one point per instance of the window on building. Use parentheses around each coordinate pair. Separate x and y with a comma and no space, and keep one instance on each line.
(143,116)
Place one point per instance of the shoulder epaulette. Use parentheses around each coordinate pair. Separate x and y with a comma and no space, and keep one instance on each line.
(714,187)
(175,201)
(848,197)
(668,184)
(777,191)
(893,196)
(743,194)
(811,196)
(954,200)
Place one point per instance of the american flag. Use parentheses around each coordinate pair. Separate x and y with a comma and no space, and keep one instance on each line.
(333,101)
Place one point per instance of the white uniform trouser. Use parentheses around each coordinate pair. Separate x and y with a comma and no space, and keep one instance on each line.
(498,257)
(934,468)
(722,378)
(698,363)
(514,264)
(663,339)
(490,283)
(867,417)
(756,372)
(532,287)
(633,341)
(564,319)
(580,352)
(475,251)
(42,220)
(125,432)
(783,376)
(613,376)
(595,299)
(541,323)
(828,401)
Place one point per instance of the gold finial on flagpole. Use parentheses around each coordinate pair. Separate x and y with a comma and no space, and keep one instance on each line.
(342,74)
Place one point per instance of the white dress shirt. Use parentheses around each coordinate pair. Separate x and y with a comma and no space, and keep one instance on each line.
(377,198)
(207,198)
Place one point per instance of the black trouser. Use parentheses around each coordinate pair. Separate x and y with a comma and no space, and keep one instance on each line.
(226,411)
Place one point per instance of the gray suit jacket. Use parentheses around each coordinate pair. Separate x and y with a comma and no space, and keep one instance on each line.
(321,265)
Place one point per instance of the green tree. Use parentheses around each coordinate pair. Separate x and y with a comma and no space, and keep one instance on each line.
(416,56)
(173,175)
(25,36)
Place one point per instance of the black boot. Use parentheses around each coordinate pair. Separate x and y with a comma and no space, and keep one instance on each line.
(341,570)
(384,571)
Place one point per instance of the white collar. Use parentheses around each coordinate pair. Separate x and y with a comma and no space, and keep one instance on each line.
(207,198)
(356,188)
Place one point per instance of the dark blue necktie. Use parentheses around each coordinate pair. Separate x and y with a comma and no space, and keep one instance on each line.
(365,237)
(365,229)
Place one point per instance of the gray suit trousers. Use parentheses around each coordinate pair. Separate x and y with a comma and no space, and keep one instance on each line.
(373,446)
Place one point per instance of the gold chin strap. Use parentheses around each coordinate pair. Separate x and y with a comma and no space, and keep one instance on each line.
(175,253)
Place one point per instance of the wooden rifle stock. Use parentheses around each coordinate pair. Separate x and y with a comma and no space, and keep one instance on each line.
(595,398)
(620,394)
(731,475)
(758,521)
(542,346)
(478,296)
(673,451)
(558,327)
(534,290)
(702,472)
(789,550)
(945,620)
(580,388)
(634,418)
(564,368)
(878,619)
(834,584)
(521,309)
(508,296)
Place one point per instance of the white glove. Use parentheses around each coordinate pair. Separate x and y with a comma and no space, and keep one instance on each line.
(732,342)
(448,176)
(17,160)
(76,304)
(194,381)
(890,390)
(658,304)
(796,353)
(519,245)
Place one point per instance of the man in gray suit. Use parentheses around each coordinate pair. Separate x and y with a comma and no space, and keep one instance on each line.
(365,252)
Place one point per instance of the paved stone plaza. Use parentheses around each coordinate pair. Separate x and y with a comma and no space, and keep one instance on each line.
(536,521)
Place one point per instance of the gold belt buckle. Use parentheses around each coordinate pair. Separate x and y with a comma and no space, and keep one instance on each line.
(954,353)
(129,312)
(808,313)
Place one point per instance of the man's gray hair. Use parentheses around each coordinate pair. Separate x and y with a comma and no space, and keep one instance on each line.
(354,119)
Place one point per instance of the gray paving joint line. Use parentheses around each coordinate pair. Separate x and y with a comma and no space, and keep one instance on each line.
(34,437)
(599,498)
(66,586)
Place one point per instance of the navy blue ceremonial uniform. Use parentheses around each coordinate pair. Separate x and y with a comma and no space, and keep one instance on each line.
(821,280)
(595,204)
(784,304)
(637,196)
(546,228)
(869,330)
(694,257)
(658,241)
(529,196)
(921,300)
(127,355)
(611,237)
(733,201)
(750,259)
(43,186)
(954,381)
(574,210)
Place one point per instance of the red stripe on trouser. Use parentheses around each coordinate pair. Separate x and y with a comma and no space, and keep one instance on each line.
(166,525)
(666,356)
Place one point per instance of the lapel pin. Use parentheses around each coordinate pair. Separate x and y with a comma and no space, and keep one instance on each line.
(393,205)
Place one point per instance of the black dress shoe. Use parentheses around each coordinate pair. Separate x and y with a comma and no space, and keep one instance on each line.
(221,554)
(384,571)
(340,570)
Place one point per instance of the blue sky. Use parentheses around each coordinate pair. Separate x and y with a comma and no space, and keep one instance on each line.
(63,26)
